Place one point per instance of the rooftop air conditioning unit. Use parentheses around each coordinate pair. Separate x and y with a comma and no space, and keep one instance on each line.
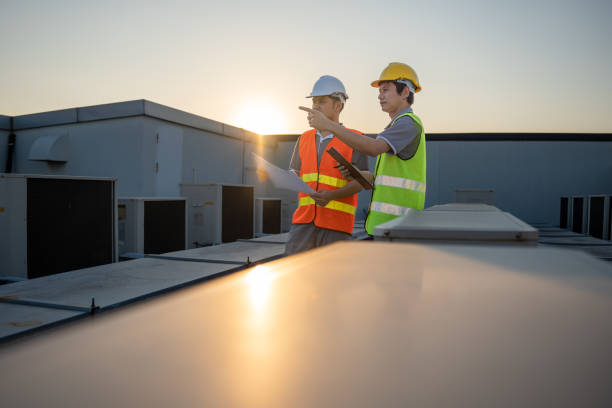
(152,225)
(579,214)
(564,212)
(609,229)
(287,209)
(599,213)
(268,215)
(218,213)
(475,196)
(53,224)
(453,224)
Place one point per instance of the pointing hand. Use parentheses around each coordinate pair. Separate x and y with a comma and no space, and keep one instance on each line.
(317,120)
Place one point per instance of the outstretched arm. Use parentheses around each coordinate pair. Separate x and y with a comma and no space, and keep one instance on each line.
(361,143)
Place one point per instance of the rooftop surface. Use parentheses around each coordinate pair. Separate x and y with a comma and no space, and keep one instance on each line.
(38,303)
(407,324)
(43,302)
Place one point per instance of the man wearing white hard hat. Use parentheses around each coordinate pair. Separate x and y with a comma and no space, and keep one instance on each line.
(328,215)
(399,177)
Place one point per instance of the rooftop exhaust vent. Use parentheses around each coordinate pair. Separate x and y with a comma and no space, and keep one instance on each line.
(51,149)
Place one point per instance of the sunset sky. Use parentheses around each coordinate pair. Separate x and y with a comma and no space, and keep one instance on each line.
(485,66)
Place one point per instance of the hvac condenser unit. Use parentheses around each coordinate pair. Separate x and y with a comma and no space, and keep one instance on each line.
(579,213)
(475,196)
(458,225)
(288,207)
(218,213)
(599,213)
(152,225)
(268,215)
(564,213)
(53,224)
(609,236)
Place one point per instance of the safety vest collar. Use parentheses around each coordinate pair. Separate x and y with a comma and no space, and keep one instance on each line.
(403,112)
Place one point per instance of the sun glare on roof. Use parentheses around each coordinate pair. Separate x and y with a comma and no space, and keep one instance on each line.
(259,281)
(261,117)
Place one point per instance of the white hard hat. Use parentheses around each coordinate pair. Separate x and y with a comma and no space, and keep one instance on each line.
(328,85)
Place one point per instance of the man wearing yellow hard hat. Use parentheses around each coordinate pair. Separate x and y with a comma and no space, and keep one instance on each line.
(399,178)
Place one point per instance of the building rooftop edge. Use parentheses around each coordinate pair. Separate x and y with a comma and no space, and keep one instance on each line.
(494,137)
(116,110)
(143,107)
(5,122)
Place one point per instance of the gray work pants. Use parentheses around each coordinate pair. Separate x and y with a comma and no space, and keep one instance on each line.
(303,237)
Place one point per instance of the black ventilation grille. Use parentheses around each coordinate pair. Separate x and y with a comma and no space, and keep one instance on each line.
(563,213)
(271,217)
(596,217)
(237,213)
(164,226)
(577,214)
(69,224)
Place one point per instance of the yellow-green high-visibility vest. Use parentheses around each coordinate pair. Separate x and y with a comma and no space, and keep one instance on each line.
(399,185)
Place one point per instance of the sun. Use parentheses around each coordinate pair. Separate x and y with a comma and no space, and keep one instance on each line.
(261,117)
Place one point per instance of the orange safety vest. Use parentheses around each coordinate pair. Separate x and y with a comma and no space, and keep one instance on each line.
(338,215)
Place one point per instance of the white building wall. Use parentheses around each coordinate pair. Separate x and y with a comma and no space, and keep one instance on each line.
(3,146)
(263,186)
(148,156)
(211,158)
(201,157)
(5,123)
(166,144)
(109,148)
(528,177)
(282,155)
(282,158)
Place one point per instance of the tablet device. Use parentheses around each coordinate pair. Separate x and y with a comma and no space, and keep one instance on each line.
(354,172)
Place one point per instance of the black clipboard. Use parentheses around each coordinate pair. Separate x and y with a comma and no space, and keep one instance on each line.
(354,172)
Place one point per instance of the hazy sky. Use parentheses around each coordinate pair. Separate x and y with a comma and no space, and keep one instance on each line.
(501,66)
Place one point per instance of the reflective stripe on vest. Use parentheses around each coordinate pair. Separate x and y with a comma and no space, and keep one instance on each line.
(387,208)
(330,181)
(390,181)
(333,205)
(309,177)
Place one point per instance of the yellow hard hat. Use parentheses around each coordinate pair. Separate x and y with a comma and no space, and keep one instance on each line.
(397,70)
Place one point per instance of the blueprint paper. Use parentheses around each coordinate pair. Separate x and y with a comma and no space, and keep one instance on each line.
(282,178)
